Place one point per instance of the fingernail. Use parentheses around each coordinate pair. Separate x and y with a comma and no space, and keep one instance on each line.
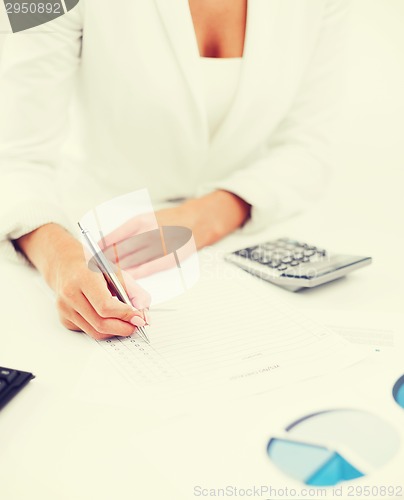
(137,321)
(147,316)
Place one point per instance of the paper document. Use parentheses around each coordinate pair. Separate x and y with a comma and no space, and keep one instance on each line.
(380,330)
(221,334)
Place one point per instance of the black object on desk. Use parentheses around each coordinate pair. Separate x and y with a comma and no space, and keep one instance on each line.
(11,382)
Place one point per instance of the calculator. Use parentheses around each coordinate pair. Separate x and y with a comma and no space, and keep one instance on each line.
(11,382)
(295,264)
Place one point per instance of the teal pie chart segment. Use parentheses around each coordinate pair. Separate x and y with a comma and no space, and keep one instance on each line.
(333,472)
(311,464)
(398,391)
(331,447)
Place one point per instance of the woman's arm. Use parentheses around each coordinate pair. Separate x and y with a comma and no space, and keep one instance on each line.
(211,217)
(37,73)
(83,300)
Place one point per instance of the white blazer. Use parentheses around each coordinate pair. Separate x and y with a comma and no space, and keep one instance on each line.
(141,118)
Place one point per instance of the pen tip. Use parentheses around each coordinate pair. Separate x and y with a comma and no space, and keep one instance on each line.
(143,334)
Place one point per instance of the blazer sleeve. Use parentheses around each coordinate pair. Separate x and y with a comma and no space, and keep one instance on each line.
(37,69)
(295,165)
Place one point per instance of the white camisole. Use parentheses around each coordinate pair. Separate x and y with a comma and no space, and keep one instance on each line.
(220,78)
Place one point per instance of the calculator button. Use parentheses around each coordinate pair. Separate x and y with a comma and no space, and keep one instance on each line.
(294,263)
(3,385)
(246,252)
(282,268)
(257,256)
(8,375)
(298,256)
(287,260)
(308,253)
(242,253)
(306,259)
(273,264)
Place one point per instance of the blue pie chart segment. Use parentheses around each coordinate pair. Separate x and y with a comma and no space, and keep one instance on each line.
(398,391)
(335,471)
(331,447)
(310,464)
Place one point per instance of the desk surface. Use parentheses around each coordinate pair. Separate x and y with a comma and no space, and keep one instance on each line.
(56,444)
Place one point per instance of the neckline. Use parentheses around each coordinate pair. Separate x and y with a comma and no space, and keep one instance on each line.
(246,29)
(221,59)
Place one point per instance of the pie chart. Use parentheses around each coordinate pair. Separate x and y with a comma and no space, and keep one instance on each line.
(398,391)
(327,448)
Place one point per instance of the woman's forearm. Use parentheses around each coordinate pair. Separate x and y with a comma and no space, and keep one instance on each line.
(47,246)
(214,216)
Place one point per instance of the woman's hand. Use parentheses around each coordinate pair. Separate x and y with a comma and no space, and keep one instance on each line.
(136,246)
(83,300)
(211,217)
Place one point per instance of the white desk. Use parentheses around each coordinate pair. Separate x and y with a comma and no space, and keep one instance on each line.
(56,445)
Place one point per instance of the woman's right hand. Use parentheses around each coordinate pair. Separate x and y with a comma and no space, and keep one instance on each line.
(83,299)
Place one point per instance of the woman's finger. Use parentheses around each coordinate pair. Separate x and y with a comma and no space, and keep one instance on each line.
(76,322)
(136,225)
(105,305)
(71,320)
(106,326)
(153,267)
(109,327)
(139,297)
(136,250)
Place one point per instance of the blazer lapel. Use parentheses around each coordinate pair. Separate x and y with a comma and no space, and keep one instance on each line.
(260,53)
(177,20)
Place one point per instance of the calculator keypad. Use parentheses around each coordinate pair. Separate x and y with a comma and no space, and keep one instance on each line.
(282,254)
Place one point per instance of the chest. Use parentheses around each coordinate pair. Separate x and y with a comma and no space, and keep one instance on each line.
(220,27)
(148,74)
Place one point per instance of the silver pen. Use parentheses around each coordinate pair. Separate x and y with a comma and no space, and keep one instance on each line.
(111,278)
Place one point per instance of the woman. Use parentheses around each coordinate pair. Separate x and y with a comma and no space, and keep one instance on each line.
(220,103)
